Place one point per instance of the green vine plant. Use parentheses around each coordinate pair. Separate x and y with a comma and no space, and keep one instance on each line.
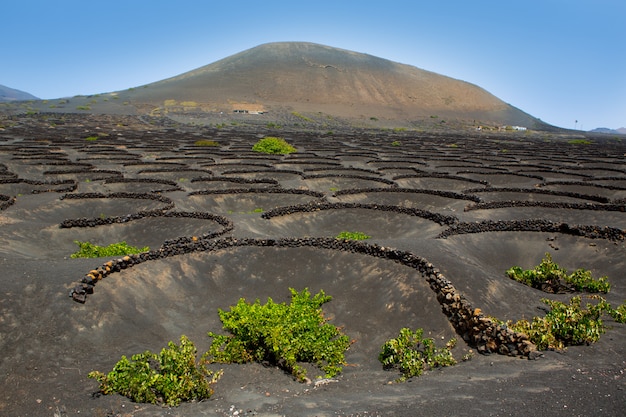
(550,277)
(167,378)
(412,354)
(565,324)
(352,236)
(273,145)
(89,250)
(619,313)
(206,142)
(569,324)
(282,334)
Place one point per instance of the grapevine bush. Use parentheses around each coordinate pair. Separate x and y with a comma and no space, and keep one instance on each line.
(281,334)
(89,250)
(412,354)
(166,378)
(273,145)
(550,277)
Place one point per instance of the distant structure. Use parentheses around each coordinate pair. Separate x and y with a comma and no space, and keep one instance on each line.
(509,128)
(244,111)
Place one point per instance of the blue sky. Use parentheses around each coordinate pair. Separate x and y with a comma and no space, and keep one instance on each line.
(559,60)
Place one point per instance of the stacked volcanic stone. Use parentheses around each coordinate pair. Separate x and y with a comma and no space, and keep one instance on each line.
(87,284)
(236,180)
(440,193)
(535,225)
(440,175)
(546,204)
(349,176)
(294,191)
(478,330)
(71,184)
(320,206)
(6,201)
(485,333)
(597,198)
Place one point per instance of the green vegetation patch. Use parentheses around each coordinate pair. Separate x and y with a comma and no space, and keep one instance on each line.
(568,324)
(172,376)
(89,250)
(352,236)
(579,142)
(206,142)
(273,145)
(282,334)
(565,324)
(412,354)
(303,117)
(550,277)
(619,313)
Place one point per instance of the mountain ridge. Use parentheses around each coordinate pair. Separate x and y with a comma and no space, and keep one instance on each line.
(620,131)
(309,77)
(12,94)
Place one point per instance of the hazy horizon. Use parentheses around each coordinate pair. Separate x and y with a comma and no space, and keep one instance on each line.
(561,62)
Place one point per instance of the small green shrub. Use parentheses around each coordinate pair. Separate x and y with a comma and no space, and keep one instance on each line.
(566,324)
(273,125)
(206,142)
(281,334)
(581,280)
(273,145)
(352,236)
(89,250)
(412,355)
(396,143)
(301,116)
(550,277)
(166,378)
(83,107)
(619,314)
(579,142)
(92,138)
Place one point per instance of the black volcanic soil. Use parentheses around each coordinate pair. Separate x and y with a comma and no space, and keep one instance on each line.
(144,181)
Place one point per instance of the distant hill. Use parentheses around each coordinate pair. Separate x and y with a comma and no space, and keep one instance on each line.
(620,131)
(11,94)
(312,78)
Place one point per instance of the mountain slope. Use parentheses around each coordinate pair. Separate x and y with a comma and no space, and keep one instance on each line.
(620,131)
(11,94)
(315,78)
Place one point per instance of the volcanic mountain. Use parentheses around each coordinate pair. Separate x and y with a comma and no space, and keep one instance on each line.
(11,94)
(312,78)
